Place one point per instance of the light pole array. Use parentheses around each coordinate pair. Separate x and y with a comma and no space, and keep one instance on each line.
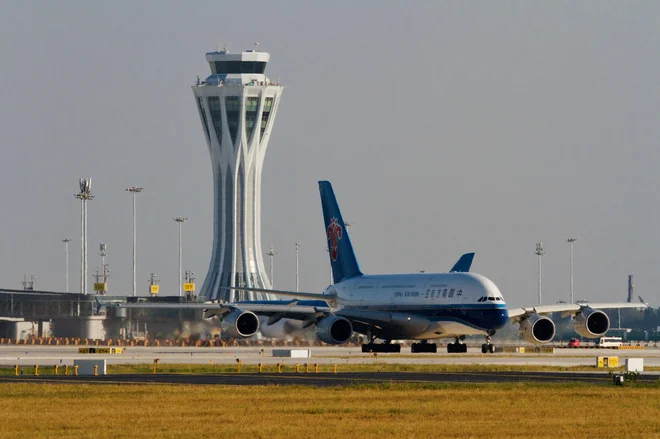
(134,190)
(297,245)
(84,195)
(180,220)
(539,252)
(570,242)
(66,242)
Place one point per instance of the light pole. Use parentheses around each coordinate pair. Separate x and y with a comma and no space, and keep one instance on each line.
(134,190)
(271,254)
(328,251)
(539,252)
(103,252)
(180,220)
(570,242)
(84,195)
(297,272)
(66,242)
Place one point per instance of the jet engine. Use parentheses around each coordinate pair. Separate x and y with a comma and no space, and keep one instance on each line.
(537,329)
(591,323)
(334,330)
(239,323)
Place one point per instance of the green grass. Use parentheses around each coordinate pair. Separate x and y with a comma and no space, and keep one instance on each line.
(503,410)
(290,367)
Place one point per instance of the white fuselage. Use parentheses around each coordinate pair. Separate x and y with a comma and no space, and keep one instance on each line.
(436,305)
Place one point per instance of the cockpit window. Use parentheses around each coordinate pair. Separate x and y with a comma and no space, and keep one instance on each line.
(491,298)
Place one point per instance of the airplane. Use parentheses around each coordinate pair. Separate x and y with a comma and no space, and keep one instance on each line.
(419,306)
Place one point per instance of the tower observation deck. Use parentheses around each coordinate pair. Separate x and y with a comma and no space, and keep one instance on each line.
(237,105)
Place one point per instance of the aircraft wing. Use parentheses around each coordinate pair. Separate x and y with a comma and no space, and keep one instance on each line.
(518,314)
(318,296)
(292,309)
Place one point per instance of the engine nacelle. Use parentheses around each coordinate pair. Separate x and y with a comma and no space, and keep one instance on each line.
(591,323)
(334,330)
(239,323)
(537,329)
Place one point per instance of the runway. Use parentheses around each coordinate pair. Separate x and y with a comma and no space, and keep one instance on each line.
(325,379)
(29,355)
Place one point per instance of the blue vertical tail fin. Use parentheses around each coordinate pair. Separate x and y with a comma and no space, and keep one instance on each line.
(342,258)
(463,264)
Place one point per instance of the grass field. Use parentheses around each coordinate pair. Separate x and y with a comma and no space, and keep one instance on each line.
(290,367)
(384,411)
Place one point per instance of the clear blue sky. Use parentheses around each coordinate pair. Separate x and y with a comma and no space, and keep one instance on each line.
(446,127)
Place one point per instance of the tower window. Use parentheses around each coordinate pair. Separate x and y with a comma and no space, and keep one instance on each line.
(216,116)
(202,110)
(251,105)
(233,105)
(268,105)
(229,67)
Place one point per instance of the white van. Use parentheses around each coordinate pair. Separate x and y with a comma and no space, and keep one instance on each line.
(609,342)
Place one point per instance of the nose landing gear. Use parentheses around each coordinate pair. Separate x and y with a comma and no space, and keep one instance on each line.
(488,346)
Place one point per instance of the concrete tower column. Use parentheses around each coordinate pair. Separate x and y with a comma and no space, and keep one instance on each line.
(237,105)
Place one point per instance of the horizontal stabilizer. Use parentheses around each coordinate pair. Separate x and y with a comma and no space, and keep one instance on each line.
(463,264)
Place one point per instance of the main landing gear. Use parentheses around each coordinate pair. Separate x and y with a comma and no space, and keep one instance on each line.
(488,346)
(387,347)
(456,347)
(423,347)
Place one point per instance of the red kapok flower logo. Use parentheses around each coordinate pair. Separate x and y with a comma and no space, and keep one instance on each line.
(335,232)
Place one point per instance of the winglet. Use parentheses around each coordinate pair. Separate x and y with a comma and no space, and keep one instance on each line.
(463,264)
(99,305)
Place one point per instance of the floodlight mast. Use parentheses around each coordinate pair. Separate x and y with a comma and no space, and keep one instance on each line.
(85,194)
(539,252)
(180,220)
(271,254)
(297,245)
(571,241)
(134,190)
(66,242)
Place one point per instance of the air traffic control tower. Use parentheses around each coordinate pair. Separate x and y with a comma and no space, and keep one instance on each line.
(237,104)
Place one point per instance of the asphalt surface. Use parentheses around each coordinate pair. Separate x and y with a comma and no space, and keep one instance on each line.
(30,355)
(324,379)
